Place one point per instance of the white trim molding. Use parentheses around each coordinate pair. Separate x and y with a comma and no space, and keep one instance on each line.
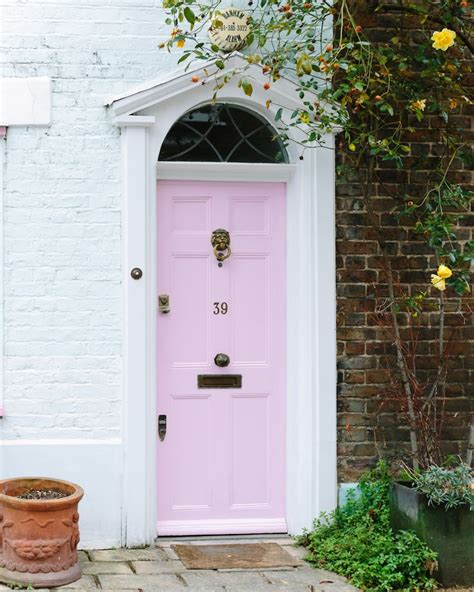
(221,527)
(145,116)
(3,133)
(223,171)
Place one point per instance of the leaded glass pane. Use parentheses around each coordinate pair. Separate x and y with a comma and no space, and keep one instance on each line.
(222,133)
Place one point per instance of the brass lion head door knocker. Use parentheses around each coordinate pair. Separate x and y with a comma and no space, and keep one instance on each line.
(220,241)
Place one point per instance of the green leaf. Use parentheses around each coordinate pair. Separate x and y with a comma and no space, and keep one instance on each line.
(278,114)
(189,15)
(220,64)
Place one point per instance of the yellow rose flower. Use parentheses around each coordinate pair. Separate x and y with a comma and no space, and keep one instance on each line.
(419,104)
(444,272)
(181,43)
(438,282)
(443,39)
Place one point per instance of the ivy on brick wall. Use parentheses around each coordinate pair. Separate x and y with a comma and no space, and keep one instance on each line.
(395,77)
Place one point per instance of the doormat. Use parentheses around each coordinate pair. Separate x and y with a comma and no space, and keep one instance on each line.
(243,556)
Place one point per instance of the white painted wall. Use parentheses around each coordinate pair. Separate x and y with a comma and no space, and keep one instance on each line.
(62,213)
(62,210)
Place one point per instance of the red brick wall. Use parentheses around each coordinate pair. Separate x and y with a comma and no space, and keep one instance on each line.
(367,428)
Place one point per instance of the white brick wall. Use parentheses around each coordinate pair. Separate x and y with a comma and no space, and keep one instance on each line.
(62,213)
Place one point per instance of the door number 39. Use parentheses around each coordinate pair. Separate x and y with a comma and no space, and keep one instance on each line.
(220,308)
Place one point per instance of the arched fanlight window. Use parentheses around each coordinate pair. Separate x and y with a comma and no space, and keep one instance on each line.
(223,133)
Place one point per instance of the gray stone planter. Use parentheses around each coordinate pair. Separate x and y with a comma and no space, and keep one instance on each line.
(448,532)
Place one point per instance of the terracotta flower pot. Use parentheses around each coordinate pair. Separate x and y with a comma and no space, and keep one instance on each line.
(39,537)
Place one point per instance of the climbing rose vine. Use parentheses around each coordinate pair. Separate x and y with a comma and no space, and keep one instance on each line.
(379,91)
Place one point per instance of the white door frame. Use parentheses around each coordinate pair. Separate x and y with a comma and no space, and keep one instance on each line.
(145,115)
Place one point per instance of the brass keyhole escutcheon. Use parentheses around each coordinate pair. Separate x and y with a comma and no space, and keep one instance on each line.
(222,360)
(220,240)
(163,303)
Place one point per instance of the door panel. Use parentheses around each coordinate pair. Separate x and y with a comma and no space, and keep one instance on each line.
(221,465)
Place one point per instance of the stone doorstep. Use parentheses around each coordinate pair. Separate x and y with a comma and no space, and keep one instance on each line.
(284,540)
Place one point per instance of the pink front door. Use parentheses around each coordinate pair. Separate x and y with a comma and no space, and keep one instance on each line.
(221,462)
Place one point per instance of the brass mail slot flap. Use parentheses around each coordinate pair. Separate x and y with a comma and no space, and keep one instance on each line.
(219,380)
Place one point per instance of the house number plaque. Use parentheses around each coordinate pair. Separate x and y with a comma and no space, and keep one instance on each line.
(229,29)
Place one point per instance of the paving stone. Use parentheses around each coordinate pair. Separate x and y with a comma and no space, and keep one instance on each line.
(271,588)
(85,583)
(206,589)
(298,552)
(83,556)
(4,588)
(254,569)
(95,568)
(315,577)
(171,553)
(157,567)
(146,554)
(148,583)
(206,577)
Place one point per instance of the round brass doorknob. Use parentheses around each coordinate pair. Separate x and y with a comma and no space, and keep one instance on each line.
(222,360)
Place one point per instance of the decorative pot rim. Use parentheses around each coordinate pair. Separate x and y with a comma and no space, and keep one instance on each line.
(43,505)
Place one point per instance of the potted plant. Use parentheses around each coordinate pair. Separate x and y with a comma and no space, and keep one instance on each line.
(39,532)
(437,504)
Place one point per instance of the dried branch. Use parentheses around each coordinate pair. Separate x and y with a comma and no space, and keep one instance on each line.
(402,368)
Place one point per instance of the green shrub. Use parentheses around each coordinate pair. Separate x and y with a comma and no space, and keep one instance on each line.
(357,541)
(448,487)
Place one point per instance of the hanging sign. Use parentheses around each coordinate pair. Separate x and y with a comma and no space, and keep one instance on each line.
(229,29)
